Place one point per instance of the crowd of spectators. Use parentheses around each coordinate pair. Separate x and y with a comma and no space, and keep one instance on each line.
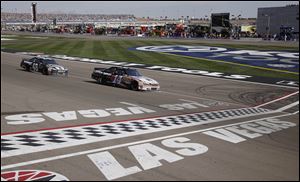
(87,23)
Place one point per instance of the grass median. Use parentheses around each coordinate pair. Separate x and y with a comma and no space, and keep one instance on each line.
(117,50)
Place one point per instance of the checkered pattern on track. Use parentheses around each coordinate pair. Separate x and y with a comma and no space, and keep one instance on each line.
(18,144)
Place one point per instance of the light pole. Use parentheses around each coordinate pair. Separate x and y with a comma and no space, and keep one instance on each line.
(210,20)
(268,27)
(237,30)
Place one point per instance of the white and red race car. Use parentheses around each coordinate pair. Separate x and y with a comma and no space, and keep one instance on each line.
(124,77)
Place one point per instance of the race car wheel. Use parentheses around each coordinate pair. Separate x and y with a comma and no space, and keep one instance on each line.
(134,86)
(100,80)
(44,71)
(27,68)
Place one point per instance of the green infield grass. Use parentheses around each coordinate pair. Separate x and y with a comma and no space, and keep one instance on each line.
(117,50)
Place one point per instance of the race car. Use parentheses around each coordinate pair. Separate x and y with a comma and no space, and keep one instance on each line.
(46,66)
(124,77)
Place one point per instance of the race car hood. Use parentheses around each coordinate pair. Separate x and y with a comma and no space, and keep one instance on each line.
(56,67)
(145,80)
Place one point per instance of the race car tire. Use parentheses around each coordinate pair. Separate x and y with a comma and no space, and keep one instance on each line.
(44,71)
(27,68)
(100,80)
(134,86)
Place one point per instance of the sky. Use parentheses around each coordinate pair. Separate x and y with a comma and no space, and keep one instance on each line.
(153,9)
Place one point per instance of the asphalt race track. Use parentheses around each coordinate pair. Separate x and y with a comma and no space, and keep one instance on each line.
(195,128)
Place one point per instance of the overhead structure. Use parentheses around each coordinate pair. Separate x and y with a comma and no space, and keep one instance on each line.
(33,12)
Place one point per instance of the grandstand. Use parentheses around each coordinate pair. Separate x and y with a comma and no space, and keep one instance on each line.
(47,17)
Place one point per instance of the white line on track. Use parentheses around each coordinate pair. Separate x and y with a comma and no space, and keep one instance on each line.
(288,106)
(201,119)
(281,98)
(125,144)
(241,81)
(149,140)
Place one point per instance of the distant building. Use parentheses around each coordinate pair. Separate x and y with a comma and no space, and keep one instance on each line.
(271,21)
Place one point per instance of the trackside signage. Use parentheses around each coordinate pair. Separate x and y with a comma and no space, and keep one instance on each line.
(287,61)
